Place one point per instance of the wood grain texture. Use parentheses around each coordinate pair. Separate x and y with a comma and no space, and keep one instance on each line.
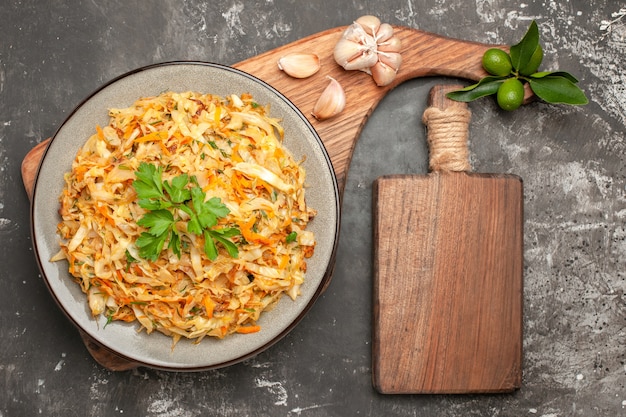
(423,53)
(447,283)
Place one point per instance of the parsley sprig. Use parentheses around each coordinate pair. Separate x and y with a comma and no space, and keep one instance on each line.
(163,199)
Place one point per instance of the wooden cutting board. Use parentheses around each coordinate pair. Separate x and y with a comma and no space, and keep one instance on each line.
(447,276)
(424,54)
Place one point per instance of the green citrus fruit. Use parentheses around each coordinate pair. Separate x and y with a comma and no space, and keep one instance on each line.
(533,64)
(497,62)
(510,94)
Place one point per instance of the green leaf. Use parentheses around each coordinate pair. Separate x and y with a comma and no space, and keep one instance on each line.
(153,204)
(150,246)
(129,259)
(230,247)
(291,237)
(174,244)
(197,198)
(206,219)
(148,183)
(207,211)
(485,87)
(564,74)
(177,189)
(217,207)
(227,232)
(209,246)
(524,50)
(193,225)
(203,214)
(158,221)
(558,89)
(146,191)
(109,317)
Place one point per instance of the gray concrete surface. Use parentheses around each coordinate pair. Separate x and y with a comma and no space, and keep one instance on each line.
(572,160)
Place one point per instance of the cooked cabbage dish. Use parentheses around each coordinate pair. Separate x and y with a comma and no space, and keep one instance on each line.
(187,214)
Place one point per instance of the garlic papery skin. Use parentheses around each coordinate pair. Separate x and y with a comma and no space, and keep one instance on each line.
(299,65)
(331,102)
(368,43)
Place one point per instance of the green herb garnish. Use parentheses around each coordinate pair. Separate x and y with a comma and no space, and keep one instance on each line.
(510,71)
(163,200)
(291,237)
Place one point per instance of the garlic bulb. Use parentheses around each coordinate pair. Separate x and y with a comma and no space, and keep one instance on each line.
(299,65)
(331,102)
(370,46)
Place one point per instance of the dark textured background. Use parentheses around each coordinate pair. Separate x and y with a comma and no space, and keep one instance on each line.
(572,160)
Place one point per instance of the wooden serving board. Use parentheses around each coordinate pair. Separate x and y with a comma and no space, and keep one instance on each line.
(448,295)
(424,54)
(447,279)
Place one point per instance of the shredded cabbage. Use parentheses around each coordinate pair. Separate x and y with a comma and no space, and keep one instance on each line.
(234,149)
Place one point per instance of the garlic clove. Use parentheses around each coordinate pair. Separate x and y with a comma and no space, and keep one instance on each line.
(331,102)
(299,65)
(382,74)
(391,59)
(393,44)
(385,31)
(369,23)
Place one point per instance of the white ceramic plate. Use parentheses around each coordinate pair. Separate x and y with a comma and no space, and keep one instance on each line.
(155,350)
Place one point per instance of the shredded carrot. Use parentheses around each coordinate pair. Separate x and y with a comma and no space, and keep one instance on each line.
(249,329)
(209,306)
(249,235)
(218,113)
(99,132)
(104,211)
(164,148)
(284,261)
(80,172)
(158,135)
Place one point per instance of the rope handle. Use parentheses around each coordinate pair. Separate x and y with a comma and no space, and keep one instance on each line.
(447,123)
